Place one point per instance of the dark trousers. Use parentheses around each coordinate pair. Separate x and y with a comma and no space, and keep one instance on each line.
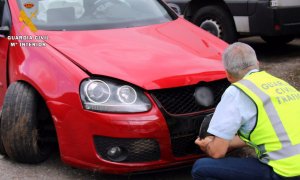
(231,168)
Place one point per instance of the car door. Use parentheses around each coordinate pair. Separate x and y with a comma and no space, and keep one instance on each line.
(4,46)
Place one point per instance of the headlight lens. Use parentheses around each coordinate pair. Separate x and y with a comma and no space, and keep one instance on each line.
(127,95)
(108,95)
(97,91)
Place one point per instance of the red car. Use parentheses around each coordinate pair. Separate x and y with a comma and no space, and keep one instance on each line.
(119,85)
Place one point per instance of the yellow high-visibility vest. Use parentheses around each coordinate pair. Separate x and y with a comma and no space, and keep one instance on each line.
(276,136)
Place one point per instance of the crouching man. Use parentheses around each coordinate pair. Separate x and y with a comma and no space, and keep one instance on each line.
(265,113)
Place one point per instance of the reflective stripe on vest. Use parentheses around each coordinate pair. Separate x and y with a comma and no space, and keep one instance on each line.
(288,149)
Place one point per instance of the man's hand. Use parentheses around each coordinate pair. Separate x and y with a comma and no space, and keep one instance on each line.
(215,147)
(203,143)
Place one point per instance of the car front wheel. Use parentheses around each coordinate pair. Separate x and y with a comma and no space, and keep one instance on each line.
(21,126)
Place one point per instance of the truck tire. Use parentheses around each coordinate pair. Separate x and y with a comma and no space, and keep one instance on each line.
(2,150)
(278,40)
(20,126)
(217,21)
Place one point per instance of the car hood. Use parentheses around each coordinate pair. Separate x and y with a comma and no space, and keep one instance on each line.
(167,55)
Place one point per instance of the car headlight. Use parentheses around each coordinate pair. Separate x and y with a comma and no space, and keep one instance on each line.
(97,91)
(127,94)
(108,95)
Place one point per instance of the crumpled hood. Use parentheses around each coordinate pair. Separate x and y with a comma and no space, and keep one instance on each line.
(152,57)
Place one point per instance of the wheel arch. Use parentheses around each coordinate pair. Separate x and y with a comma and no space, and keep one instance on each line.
(42,103)
(52,75)
(37,90)
(48,71)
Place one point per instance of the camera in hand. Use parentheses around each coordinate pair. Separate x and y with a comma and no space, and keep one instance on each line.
(204,126)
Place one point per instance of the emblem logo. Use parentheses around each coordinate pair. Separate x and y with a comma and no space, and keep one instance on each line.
(28,20)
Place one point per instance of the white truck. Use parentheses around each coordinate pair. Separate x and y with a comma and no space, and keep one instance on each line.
(276,21)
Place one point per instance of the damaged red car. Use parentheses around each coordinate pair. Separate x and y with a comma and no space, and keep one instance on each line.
(119,86)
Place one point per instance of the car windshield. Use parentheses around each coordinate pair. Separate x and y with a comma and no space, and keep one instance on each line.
(94,14)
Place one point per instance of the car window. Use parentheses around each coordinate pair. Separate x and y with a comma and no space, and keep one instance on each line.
(1,11)
(5,17)
(94,14)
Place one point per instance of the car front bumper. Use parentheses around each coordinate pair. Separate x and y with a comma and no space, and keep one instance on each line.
(84,135)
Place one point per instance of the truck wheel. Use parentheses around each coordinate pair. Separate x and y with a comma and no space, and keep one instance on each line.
(278,40)
(2,150)
(217,21)
(21,130)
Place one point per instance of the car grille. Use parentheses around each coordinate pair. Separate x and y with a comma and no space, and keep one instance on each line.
(182,101)
(183,132)
(136,150)
(184,116)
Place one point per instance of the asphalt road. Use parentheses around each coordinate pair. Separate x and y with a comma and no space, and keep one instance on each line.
(283,62)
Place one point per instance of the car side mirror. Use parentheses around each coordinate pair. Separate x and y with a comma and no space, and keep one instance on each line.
(4,31)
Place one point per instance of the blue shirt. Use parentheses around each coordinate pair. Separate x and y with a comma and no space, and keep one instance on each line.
(236,111)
